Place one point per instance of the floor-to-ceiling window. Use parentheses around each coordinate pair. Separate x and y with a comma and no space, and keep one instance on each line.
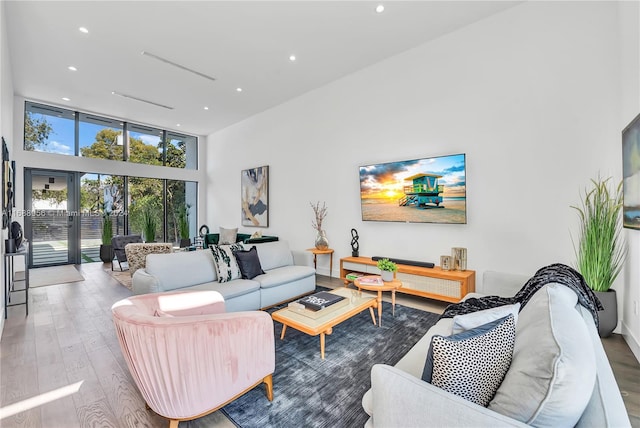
(129,200)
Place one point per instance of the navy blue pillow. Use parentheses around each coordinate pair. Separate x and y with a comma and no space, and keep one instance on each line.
(249,263)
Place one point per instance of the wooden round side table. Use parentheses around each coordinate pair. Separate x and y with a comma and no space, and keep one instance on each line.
(385,286)
(316,251)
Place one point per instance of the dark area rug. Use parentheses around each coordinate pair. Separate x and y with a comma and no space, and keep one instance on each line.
(311,392)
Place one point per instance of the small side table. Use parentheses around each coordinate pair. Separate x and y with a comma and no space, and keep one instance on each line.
(386,286)
(10,278)
(316,251)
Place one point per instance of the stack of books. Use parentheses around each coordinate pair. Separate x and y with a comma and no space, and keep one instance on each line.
(371,280)
(353,275)
(318,305)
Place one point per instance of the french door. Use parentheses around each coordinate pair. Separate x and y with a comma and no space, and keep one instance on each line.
(52,217)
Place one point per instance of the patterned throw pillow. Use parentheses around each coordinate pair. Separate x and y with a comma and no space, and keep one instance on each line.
(472,364)
(226,264)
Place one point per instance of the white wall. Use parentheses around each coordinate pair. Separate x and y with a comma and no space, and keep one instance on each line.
(6,119)
(531,96)
(629,17)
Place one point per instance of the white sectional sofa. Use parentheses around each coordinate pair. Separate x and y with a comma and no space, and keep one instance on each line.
(562,374)
(288,274)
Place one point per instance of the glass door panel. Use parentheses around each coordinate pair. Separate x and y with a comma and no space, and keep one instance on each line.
(52,215)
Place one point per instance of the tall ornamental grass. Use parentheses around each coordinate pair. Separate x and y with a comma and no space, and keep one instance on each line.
(601,250)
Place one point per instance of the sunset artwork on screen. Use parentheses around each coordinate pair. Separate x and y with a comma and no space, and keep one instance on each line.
(428,190)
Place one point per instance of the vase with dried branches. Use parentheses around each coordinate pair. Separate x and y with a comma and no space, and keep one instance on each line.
(322,243)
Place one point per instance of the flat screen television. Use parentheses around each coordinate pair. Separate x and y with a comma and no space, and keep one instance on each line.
(427,190)
(631,174)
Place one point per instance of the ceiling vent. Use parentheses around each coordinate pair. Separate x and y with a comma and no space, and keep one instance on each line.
(181,67)
(131,97)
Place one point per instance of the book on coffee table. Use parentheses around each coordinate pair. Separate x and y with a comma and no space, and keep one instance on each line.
(320,300)
(299,308)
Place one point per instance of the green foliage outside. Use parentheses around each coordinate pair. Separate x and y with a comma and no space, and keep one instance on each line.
(600,251)
(36,132)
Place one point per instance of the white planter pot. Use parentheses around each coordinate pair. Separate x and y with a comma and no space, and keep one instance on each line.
(387,275)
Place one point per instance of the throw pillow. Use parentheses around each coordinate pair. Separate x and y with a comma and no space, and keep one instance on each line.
(473,363)
(228,236)
(256,234)
(553,372)
(478,318)
(226,264)
(249,263)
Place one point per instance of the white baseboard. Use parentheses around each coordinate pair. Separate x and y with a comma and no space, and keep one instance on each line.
(632,341)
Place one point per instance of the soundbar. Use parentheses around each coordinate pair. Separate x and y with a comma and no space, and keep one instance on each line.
(405,262)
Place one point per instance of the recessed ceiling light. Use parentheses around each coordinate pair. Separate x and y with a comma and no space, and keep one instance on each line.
(239,89)
(72,68)
(83,30)
(177,124)
(66,99)
(380,8)
(206,108)
(292,58)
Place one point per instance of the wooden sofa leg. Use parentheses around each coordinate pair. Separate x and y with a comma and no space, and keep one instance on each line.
(268,382)
(173,423)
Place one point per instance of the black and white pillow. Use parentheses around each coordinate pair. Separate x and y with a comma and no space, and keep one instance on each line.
(226,264)
(472,364)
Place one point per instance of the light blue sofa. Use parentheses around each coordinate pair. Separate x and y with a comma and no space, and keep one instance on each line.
(399,397)
(288,274)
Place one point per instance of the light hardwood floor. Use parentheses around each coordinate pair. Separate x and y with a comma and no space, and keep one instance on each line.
(62,367)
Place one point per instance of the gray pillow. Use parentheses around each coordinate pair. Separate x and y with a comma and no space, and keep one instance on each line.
(473,363)
(228,236)
(553,372)
(478,318)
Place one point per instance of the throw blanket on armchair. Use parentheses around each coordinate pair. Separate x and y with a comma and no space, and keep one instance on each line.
(558,273)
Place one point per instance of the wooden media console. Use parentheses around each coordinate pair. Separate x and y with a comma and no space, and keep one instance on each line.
(433,283)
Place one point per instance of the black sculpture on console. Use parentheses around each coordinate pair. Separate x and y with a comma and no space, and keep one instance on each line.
(355,247)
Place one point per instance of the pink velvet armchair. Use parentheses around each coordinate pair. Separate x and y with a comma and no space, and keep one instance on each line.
(189,357)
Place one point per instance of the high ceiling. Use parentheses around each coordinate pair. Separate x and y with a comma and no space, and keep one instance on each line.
(241,44)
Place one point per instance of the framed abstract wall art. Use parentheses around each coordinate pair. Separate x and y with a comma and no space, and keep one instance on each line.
(631,174)
(254,189)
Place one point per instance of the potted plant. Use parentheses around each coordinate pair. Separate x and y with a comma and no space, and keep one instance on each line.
(601,251)
(106,250)
(388,268)
(183,227)
(149,225)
